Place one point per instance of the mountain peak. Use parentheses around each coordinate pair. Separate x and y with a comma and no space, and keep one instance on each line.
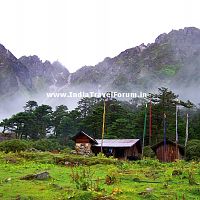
(141,47)
(171,60)
(187,33)
(30,59)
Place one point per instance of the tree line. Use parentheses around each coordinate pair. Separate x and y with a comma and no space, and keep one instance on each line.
(124,119)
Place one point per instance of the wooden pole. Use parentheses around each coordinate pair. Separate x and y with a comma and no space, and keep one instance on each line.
(144,131)
(186,133)
(164,130)
(103,125)
(150,121)
(177,153)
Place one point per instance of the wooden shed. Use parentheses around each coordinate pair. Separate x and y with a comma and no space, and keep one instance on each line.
(169,152)
(83,143)
(119,148)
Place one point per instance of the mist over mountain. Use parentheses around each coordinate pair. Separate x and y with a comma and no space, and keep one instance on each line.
(45,74)
(172,61)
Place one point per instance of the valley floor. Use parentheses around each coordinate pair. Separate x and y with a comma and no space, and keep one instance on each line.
(103,179)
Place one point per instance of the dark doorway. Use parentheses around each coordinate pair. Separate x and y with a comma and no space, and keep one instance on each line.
(119,153)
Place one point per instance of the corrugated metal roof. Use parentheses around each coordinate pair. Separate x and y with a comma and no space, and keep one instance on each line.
(116,142)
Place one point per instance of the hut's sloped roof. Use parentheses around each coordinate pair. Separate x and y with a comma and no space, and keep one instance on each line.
(154,147)
(83,133)
(116,142)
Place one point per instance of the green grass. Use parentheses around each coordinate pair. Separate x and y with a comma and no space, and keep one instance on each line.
(132,178)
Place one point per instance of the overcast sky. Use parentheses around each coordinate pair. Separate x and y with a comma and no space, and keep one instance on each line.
(84,32)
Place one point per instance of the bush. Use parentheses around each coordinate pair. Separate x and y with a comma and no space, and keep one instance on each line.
(81,160)
(154,163)
(193,150)
(17,145)
(40,157)
(66,150)
(47,145)
(148,152)
(14,145)
(82,178)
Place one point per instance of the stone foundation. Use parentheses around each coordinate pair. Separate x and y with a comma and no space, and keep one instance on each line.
(83,148)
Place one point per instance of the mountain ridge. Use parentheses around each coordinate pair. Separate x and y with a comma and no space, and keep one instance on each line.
(173,61)
(132,64)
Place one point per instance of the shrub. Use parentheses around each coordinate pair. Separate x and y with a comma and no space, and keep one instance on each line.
(193,150)
(82,178)
(101,155)
(14,145)
(47,145)
(81,160)
(111,179)
(191,178)
(123,166)
(40,157)
(148,152)
(66,150)
(154,163)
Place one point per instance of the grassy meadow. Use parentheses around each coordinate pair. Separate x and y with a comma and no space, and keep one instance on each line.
(97,178)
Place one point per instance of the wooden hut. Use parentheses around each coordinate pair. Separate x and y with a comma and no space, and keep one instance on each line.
(83,143)
(169,152)
(119,148)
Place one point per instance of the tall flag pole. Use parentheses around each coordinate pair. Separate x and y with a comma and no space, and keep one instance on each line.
(164,130)
(176,123)
(150,121)
(186,130)
(144,130)
(107,96)
(177,131)
(103,126)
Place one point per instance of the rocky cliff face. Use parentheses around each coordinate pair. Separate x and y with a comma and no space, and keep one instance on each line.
(13,74)
(45,75)
(27,78)
(29,74)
